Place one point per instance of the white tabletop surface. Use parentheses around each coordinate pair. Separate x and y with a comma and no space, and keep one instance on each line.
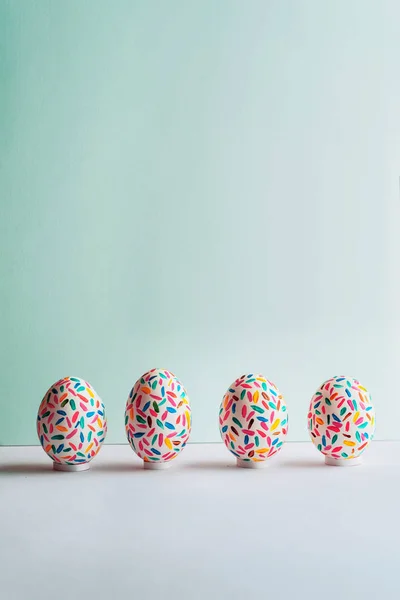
(202,529)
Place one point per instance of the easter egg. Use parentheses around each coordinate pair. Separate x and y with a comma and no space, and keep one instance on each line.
(253,420)
(158,418)
(341,420)
(71,424)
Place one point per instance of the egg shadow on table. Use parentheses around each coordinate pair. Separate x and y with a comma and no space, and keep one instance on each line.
(26,469)
(117,468)
(303,464)
(210,465)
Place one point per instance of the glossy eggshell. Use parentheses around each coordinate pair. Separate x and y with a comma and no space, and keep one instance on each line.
(341,418)
(71,422)
(158,416)
(253,418)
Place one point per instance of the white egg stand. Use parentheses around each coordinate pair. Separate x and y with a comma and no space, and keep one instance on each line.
(251,464)
(71,468)
(343,462)
(156,466)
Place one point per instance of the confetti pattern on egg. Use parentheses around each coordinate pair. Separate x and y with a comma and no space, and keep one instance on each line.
(253,418)
(158,417)
(341,418)
(71,422)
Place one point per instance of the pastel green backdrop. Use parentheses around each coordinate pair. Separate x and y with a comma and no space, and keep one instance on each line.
(210,187)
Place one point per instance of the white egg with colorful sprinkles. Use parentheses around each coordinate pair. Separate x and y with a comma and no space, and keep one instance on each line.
(253,420)
(71,424)
(158,418)
(341,420)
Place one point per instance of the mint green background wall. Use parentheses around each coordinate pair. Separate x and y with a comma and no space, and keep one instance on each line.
(206,186)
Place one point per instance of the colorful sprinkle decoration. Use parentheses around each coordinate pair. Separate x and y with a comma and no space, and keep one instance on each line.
(253,418)
(341,418)
(71,422)
(158,417)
